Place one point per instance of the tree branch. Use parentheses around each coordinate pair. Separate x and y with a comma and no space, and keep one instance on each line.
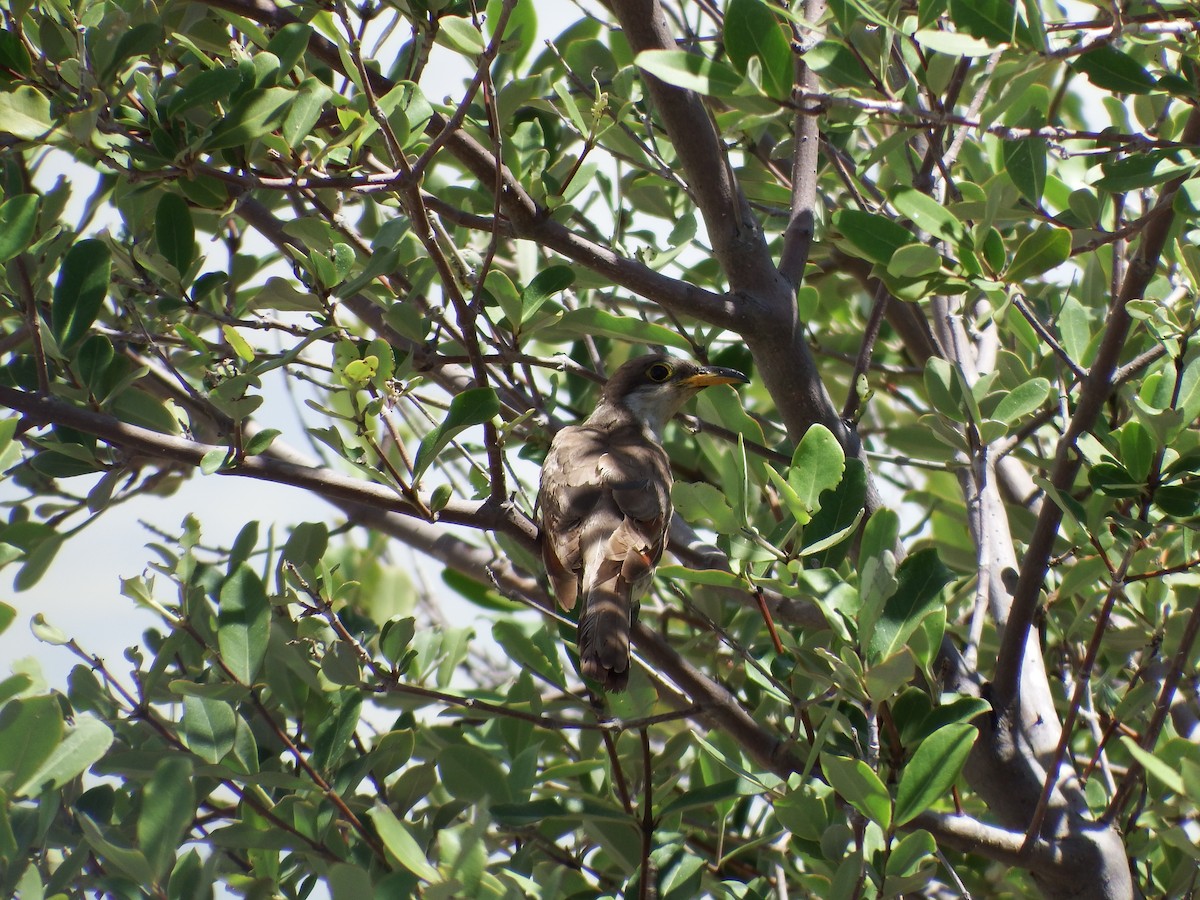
(323,482)
(806,133)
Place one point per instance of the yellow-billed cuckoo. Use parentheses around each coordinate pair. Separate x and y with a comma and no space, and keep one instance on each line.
(605,499)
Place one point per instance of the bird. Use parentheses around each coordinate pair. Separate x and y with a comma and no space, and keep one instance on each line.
(605,503)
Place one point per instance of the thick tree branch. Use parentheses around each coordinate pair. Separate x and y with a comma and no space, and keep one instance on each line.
(737,238)
(806,133)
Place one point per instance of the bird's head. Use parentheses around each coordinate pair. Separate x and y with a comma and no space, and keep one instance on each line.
(654,387)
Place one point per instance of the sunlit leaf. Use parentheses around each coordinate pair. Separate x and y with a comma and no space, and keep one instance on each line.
(933,769)
(691,71)
(472,407)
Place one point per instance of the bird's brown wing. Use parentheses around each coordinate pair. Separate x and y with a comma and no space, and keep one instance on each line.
(570,489)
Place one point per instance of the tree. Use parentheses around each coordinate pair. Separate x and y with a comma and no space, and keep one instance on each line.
(930,622)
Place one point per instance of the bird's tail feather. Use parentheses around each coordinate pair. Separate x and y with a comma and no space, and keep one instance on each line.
(604,633)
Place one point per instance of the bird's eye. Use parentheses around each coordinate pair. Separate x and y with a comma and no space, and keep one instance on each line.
(659,372)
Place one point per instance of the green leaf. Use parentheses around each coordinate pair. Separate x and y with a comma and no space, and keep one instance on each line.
(921,577)
(709,795)
(859,786)
(589,321)
(238,343)
(139,40)
(953,43)
(30,729)
(243,623)
(257,113)
(1109,68)
(333,735)
(879,535)
(340,664)
(395,637)
(841,509)
(700,501)
(928,214)
(1180,501)
(1137,449)
(1025,162)
(944,389)
(92,361)
(460,35)
(13,54)
(544,285)
(1160,769)
(1074,328)
(168,808)
(527,654)
(817,466)
(174,232)
(504,292)
(18,218)
(289,43)
(519,815)
(46,632)
(121,859)
(1141,171)
(25,114)
(208,727)
(470,775)
(215,459)
(307,544)
(349,882)
(914,260)
(7,615)
(1114,480)
(751,30)
(80,291)
(206,87)
(714,577)
(399,842)
(933,769)
(85,742)
(311,98)
(471,407)
(1022,400)
(875,237)
(1042,250)
(995,21)
(690,71)
(909,853)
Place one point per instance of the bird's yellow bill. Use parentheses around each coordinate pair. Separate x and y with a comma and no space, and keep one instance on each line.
(710,375)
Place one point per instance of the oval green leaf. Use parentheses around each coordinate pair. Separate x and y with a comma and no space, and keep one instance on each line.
(690,71)
(243,623)
(859,786)
(80,291)
(1022,400)
(174,231)
(875,238)
(471,407)
(1043,250)
(18,218)
(933,769)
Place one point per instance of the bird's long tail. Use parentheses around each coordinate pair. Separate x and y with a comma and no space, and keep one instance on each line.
(604,633)
(618,575)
